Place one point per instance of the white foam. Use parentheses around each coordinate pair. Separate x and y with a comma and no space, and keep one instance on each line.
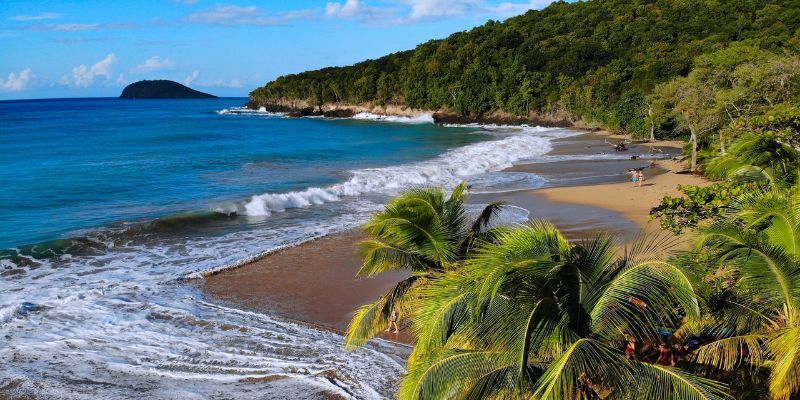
(418,119)
(516,144)
(247,111)
(501,182)
(117,317)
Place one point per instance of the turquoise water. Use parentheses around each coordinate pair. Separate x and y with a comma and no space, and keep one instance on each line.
(108,207)
(75,164)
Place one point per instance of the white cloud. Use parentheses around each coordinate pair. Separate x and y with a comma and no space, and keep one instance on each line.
(191,77)
(121,79)
(16,82)
(226,15)
(422,9)
(346,10)
(154,63)
(62,27)
(414,11)
(510,9)
(37,17)
(78,27)
(83,76)
(356,9)
(186,2)
(233,15)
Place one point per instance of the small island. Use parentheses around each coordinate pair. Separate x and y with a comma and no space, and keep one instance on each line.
(162,89)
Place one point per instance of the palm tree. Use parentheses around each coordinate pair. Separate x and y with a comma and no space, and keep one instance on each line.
(758,309)
(421,231)
(535,316)
(756,157)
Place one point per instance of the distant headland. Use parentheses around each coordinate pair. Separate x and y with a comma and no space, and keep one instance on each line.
(162,89)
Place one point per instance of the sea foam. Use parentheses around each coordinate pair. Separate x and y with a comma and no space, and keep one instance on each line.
(418,119)
(514,144)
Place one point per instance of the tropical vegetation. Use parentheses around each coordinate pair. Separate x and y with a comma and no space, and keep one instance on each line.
(521,312)
(424,232)
(599,62)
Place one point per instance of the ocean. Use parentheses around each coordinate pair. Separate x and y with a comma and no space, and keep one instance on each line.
(110,206)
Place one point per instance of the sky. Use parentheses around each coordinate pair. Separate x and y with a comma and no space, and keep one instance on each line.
(57,49)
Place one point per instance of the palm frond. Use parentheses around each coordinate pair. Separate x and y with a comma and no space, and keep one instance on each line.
(455,374)
(784,349)
(380,257)
(372,318)
(729,353)
(652,381)
(665,290)
(586,358)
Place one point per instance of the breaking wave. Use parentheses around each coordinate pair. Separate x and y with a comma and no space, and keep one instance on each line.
(513,145)
(418,119)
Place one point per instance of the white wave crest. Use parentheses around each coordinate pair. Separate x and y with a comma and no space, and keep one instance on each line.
(446,170)
(248,111)
(418,119)
(263,204)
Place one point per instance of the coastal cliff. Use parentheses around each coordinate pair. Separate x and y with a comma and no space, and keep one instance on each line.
(302,108)
(161,89)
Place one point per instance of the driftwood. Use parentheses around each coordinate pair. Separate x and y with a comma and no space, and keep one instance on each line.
(621,146)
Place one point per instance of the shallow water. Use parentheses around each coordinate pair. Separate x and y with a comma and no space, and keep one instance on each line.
(113,204)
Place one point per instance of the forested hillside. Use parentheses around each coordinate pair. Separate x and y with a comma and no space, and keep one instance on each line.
(596,61)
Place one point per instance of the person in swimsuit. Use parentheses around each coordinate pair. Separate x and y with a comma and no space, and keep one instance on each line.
(664,355)
(630,349)
(393,323)
(635,177)
(678,352)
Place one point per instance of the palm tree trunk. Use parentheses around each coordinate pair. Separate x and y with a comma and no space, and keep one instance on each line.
(652,124)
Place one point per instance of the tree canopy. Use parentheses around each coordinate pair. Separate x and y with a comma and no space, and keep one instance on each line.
(597,60)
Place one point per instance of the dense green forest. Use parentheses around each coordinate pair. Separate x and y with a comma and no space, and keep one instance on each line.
(596,61)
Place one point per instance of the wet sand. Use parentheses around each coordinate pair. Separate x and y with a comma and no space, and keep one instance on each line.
(315,282)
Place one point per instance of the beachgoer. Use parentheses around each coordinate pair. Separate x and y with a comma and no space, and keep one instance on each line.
(641,177)
(393,323)
(630,349)
(677,353)
(664,355)
(638,302)
(635,177)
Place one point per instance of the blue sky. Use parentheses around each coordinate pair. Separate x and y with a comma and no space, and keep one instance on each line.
(94,48)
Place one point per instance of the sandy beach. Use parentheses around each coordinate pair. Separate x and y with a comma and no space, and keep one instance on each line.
(315,282)
(633,202)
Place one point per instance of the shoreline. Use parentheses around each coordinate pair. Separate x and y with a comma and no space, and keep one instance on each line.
(314,282)
(301,108)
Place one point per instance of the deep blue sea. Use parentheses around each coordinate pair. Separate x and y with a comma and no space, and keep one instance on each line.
(75,164)
(108,206)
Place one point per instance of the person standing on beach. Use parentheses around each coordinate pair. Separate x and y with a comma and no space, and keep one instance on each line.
(635,177)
